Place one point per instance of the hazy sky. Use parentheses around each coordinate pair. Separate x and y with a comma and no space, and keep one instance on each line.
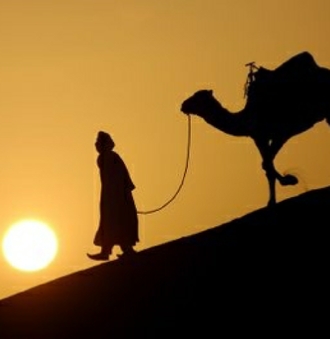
(69,68)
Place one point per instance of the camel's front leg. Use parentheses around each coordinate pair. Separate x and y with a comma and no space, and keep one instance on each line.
(271,177)
(268,155)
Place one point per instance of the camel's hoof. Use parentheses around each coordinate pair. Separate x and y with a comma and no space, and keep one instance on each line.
(271,203)
(289,179)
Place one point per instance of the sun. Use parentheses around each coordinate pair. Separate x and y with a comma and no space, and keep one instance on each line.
(29,245)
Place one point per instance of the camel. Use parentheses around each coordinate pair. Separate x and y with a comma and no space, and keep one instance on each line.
(280,104)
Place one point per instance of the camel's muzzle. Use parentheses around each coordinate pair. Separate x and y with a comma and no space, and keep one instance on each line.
(184,108)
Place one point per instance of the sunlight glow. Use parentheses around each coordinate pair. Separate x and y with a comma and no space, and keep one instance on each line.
(29,245)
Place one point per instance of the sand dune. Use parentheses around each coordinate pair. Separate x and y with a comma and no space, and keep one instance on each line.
(264,273)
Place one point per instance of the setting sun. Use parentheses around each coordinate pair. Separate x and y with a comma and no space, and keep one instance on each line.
(29,245)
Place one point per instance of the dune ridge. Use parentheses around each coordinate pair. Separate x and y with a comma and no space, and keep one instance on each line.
(262,273)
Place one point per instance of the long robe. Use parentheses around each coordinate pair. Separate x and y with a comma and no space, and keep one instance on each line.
(118,214)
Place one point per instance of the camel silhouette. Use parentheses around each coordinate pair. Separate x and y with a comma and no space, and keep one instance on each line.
(280,103)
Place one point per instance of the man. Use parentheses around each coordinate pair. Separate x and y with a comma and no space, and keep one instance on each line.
(118,214)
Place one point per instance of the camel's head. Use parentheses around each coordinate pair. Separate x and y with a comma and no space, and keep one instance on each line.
(198,103)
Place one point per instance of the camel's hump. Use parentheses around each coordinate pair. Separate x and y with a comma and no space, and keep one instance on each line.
(298,62)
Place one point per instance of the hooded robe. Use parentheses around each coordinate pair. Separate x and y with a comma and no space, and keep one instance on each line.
(118,214)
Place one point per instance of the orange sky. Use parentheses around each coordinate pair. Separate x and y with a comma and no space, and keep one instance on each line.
(72,67)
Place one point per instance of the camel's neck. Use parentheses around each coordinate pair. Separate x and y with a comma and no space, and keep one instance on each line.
(222,119)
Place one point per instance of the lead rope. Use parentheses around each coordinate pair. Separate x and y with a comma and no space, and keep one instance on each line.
(183,176)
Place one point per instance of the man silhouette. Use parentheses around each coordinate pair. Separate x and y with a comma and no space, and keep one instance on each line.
(118,223)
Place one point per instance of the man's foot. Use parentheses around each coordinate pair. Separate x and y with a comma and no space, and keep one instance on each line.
(127,255)
(98,256)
